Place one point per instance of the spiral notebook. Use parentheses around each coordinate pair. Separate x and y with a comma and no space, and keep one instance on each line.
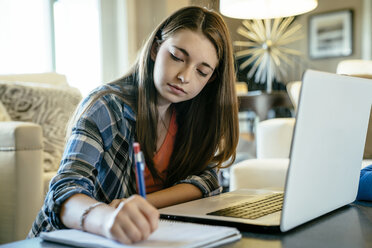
(168,234)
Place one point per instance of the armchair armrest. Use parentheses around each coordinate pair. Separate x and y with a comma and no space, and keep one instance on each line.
(274,137)
(259,174)
(21,184)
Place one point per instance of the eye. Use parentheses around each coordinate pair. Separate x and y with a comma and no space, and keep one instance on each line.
(202,73)
(174,57)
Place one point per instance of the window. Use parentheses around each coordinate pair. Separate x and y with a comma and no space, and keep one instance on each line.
(33,40)
(77,42)
(25,37)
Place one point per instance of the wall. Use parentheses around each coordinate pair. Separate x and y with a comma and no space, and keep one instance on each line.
(125,25)
(144,15)
(362,45)
(367,30)
(149,13)
(330,64)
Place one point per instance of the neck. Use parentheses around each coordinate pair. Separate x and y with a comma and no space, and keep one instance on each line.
(163,110)
(163,124)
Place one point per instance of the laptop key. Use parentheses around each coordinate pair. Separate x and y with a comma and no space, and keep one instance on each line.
(253,209)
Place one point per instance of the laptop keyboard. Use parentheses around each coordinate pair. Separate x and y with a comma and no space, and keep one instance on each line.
(253,209)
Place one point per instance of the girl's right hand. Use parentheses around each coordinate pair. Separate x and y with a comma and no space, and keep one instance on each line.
(133,220)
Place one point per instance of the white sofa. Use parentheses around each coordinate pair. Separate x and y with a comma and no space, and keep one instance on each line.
(274,136)
(34,110)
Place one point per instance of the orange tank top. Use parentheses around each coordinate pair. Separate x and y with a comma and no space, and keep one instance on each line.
(162,157)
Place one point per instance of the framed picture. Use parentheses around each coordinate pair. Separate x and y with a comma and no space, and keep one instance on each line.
(331,34)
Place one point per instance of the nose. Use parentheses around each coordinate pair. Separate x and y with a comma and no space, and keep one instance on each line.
(185,75)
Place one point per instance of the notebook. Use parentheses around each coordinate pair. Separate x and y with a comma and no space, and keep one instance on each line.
(325,160)
(169,234)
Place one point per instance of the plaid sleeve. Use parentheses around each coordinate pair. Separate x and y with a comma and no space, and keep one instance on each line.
(207,182)
(76,174)
(78,168)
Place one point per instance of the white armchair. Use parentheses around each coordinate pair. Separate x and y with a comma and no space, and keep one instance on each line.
(268,170)
(34,110)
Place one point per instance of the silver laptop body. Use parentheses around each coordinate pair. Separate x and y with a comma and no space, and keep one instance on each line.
(325,159)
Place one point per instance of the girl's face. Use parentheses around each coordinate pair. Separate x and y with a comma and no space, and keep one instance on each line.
(184,63)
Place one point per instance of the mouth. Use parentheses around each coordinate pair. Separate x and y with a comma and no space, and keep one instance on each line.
(176,89)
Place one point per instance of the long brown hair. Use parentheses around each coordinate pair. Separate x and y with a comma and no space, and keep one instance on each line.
(207,124)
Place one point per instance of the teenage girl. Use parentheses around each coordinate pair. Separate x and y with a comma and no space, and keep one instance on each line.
(179,102)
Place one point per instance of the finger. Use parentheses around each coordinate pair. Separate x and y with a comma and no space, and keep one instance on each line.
(151,213)
(113,230)
(118,234)
(130,229)
(128,211)
(141,222)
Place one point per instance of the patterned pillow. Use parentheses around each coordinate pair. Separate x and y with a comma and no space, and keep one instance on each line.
(4,116)
(47,105)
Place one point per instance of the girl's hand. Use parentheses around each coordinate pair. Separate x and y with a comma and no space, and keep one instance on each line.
(133,220)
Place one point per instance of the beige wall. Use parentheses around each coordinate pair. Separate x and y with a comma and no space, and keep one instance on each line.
(367,30)
(329,64)
(149,13)
(125,24)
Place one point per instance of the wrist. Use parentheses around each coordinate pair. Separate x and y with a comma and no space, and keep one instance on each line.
(96,218)
(86,212)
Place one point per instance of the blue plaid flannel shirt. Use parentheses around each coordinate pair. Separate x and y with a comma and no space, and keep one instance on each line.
(99,161)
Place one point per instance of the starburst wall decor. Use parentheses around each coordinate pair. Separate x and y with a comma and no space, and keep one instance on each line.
(265,51)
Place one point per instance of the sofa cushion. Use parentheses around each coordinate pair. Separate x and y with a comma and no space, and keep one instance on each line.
(47,105)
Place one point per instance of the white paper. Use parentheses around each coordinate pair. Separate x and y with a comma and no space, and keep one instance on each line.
(169,234)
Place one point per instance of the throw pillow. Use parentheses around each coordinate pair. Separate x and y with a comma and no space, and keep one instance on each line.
(49,106)
(4,116)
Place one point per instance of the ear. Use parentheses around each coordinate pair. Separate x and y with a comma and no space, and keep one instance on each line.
(154,49)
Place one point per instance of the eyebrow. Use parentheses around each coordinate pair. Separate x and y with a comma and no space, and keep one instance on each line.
(187,54)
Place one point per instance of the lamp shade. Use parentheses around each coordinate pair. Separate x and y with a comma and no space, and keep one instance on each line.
(265,9)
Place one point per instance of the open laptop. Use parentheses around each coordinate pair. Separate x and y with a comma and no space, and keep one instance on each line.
(325,160)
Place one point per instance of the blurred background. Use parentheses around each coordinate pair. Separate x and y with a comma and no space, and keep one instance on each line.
(95,41)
